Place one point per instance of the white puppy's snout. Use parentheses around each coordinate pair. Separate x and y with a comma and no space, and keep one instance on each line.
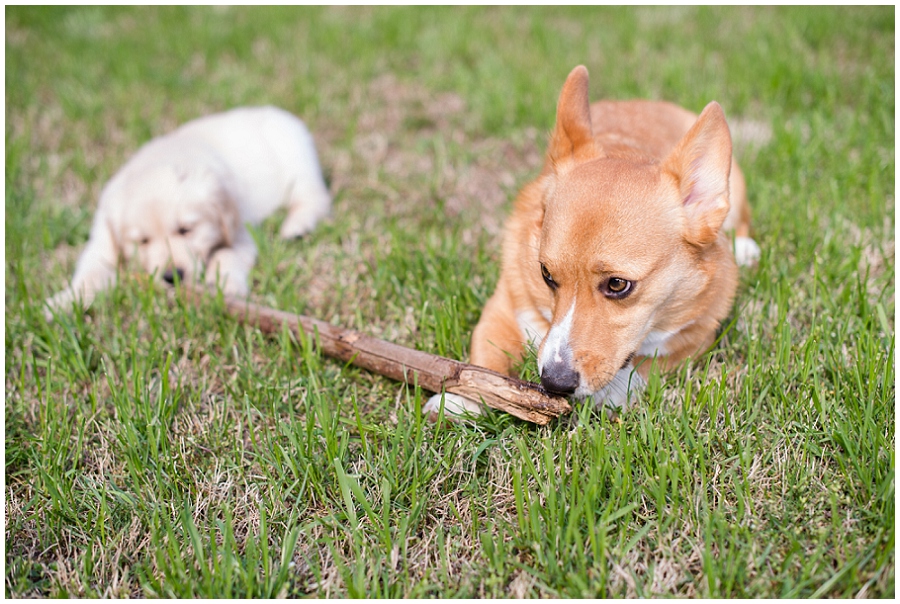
(173,275)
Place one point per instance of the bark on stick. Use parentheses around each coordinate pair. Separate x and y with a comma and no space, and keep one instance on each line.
(431,372)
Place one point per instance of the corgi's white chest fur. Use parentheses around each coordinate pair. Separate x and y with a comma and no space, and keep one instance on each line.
(654,344)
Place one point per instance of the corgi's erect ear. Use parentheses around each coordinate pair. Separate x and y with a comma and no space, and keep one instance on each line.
(573,136)
(701,164)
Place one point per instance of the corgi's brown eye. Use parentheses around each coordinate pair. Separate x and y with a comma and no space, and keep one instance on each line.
(548,279)
(143,241)
(184,230)
(616,288)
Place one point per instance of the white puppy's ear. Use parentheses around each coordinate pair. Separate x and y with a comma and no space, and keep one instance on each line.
(573,137)
(701,164)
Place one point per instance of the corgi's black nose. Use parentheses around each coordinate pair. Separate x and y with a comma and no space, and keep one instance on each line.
(170,275)
(559,378)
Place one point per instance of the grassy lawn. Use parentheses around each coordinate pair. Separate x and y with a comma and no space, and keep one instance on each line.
(157,449)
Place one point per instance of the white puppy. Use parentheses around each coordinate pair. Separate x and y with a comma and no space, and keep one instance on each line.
(179,205)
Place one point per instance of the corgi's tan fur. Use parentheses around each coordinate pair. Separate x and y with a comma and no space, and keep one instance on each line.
(620,252)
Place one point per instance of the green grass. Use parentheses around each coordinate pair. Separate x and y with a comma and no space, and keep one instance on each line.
(159,449)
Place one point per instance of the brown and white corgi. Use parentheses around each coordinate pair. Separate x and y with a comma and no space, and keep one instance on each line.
(620,253)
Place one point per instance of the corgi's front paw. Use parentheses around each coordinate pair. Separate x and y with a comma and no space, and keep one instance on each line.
(455,406)
(746,252)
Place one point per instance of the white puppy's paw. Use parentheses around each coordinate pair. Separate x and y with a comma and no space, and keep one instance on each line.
(455,407)
(235,288)
(61,302)
(298,223)
(232,284)
(746,252)
(64,301)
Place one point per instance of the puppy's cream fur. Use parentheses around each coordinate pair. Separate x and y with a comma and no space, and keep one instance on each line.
(179,205)
(619,256)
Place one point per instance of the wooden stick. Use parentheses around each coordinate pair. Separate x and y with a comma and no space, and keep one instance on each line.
(433,373)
